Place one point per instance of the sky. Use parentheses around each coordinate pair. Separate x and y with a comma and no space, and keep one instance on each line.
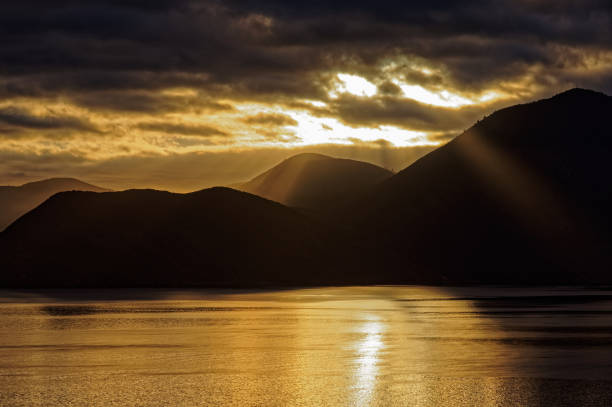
(182,94)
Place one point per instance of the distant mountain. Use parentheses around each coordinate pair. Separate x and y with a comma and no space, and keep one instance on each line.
(213,237)
(523,196)
(17,200)
(315,181)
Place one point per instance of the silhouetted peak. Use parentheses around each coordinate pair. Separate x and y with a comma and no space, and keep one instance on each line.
(50,181)
(577,108)
(61,183)
(17,200)
(147,195)
(219,191)
(579,93)
(56,179)
(222,190)
(315,181)
(307,157)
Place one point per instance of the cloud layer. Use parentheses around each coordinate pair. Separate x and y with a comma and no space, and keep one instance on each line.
(114,81)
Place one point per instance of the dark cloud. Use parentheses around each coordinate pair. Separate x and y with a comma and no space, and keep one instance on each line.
(404,112)
(146,102)
(273,119)
(182,129)
(278,47)
(20,118)
(49,83)
(145,63)
(389,88)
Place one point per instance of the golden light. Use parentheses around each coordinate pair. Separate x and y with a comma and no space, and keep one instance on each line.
(314,125)
(323,130)
(443,98)
(367,358)
(312,130)
(355,85)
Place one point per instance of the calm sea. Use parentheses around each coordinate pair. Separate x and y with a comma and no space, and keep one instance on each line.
(352,346)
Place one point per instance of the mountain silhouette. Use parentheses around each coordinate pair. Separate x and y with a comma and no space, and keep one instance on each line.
(17,200)
(213,237)
(315,181)
(522,196)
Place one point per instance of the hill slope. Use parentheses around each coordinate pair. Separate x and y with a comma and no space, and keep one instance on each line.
(315,181)
(15,201)
(522,196)
(213,237)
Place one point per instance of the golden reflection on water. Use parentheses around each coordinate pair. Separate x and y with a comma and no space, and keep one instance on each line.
(352,346)
(366,359)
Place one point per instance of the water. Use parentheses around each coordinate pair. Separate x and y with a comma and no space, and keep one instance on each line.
(354,346)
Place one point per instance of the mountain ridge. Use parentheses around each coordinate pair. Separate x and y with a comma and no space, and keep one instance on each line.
(18,200)
(521,197)
(212,237)
(315,181)
(530,178)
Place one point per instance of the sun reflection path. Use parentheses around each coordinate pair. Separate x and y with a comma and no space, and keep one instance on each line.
(366,361)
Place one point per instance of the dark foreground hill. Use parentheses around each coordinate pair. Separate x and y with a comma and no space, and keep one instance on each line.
(315,181)
(214,237)
(522,196)
(17,200)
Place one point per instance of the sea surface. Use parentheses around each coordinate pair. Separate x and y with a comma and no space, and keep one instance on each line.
(350,346)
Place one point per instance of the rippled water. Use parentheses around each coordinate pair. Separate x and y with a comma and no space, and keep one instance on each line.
(355,346)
